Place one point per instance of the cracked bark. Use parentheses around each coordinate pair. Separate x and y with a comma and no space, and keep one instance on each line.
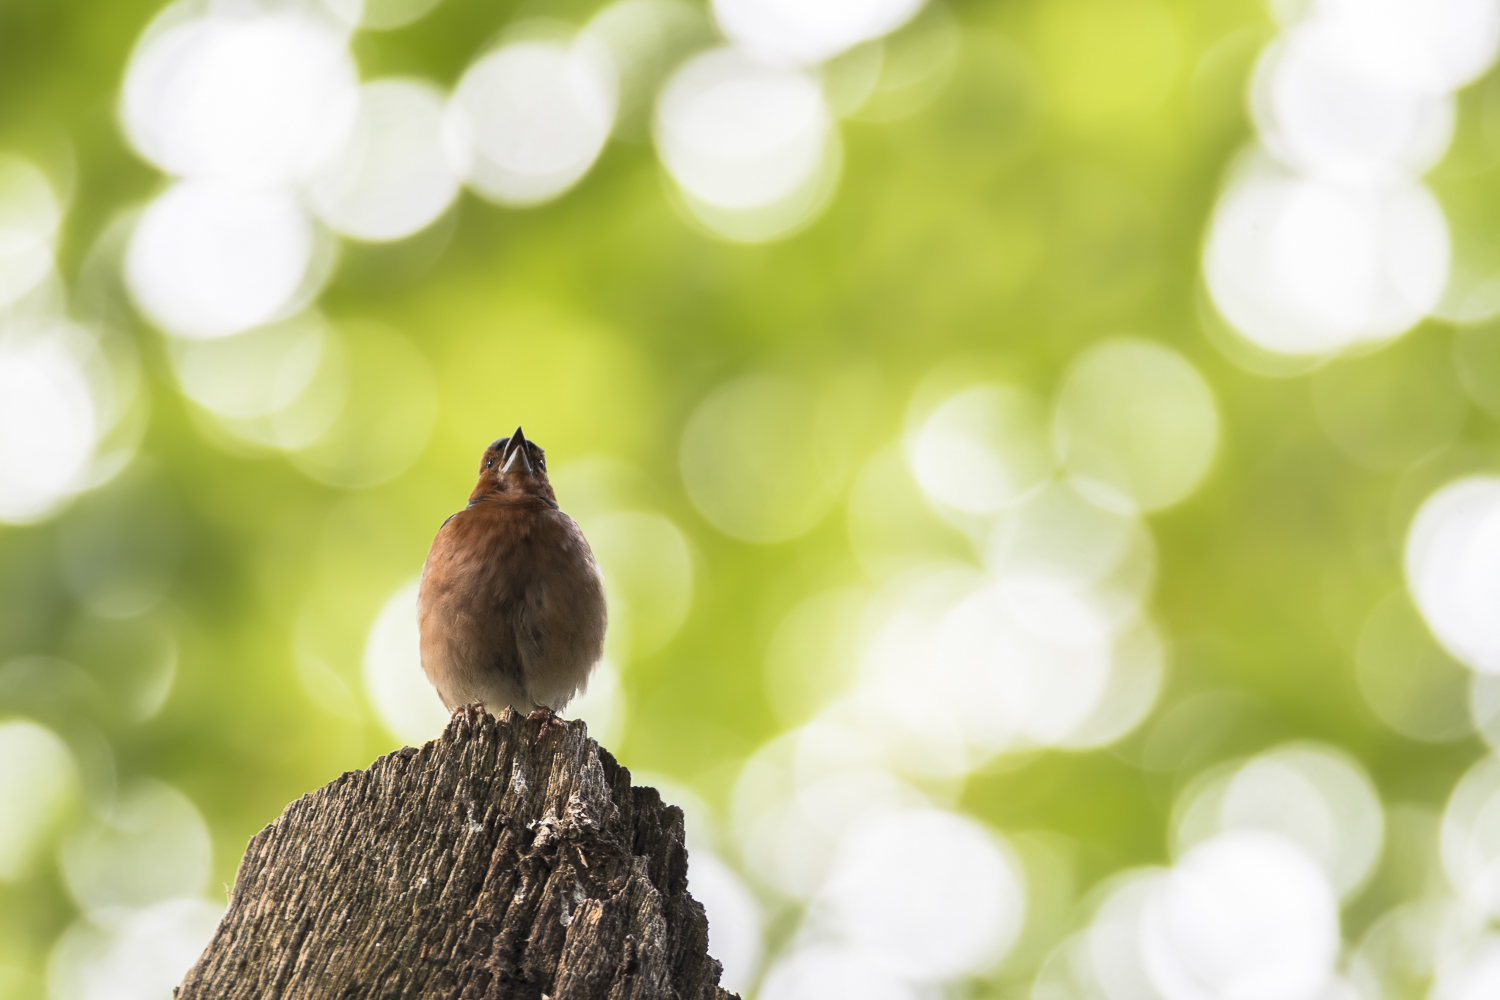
(486,864)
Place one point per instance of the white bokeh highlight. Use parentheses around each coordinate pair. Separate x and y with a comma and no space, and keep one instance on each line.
(1136,425)
(259,373)
(1470,837)
(47,431)
(1325,120)
(1246,914)
(38,783)
(817,971)
(1325,238)
(809,31)
(142,955)
(982,449)
(209,259)
(380,15)
(152,845)
(602,705)
(527,121)
(61,397)
(798,796)
(391,178)
(928,894)
(1316,796)
(959,666)
(29,218)
(750,146)
(648,577)
(735,936)
(1021,664)
(1059,537)
(1453,569)
(1472,975)
(1303,266)
(398,689)
(646,40)
(1420,45)
(252,97)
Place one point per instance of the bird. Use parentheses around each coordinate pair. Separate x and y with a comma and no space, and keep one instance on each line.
(510,607)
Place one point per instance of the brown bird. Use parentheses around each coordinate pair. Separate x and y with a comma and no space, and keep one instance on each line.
(511,604)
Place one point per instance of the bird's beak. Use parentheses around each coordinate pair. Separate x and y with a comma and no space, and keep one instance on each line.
(516,447)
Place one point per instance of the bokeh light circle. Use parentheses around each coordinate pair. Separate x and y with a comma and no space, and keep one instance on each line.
(982,449)
(255,97)
(1245,914)
(1470,837)
(752,147)
(380,15)
(1453,569)
(50,417)
(818,971)
(1138,667)
(648,576)
(38,783)
(392,177)
(1033,660)
(763,459)
(809,31)
(601,706)
(794,802)
(1406,677)
(255,373)
(1058,536)
(1107,956)
(646,40)
(29,218)
(1136,425)
(211,259)
(152,845)
(1425,45)
(926,893)
(389,406)
(404,700)
(1321,118)
(1303,266)
(737,134)
(1315,795)
(142,956)
(527,120)
(734,918)
(811,658)
(1472,975)
(280,386)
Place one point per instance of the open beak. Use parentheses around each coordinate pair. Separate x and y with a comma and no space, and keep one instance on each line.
(516,448)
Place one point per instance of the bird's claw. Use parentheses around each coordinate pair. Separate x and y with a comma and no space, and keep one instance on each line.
(546,717)
(472,712)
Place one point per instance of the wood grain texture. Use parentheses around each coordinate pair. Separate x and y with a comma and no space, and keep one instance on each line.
(486,864)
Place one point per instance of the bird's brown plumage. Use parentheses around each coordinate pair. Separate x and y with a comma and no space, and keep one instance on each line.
(511,604)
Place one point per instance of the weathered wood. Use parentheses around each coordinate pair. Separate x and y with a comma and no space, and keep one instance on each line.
(487,864)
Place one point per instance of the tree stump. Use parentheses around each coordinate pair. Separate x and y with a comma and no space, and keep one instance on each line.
(487,864)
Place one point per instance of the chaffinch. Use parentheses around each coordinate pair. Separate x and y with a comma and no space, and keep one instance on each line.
(511,604)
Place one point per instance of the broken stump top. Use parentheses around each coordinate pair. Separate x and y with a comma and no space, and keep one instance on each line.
(486,864)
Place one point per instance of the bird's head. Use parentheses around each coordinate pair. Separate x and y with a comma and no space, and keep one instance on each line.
(513,468)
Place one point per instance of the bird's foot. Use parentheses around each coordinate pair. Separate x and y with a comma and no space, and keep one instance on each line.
(546,717)
(471,712)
